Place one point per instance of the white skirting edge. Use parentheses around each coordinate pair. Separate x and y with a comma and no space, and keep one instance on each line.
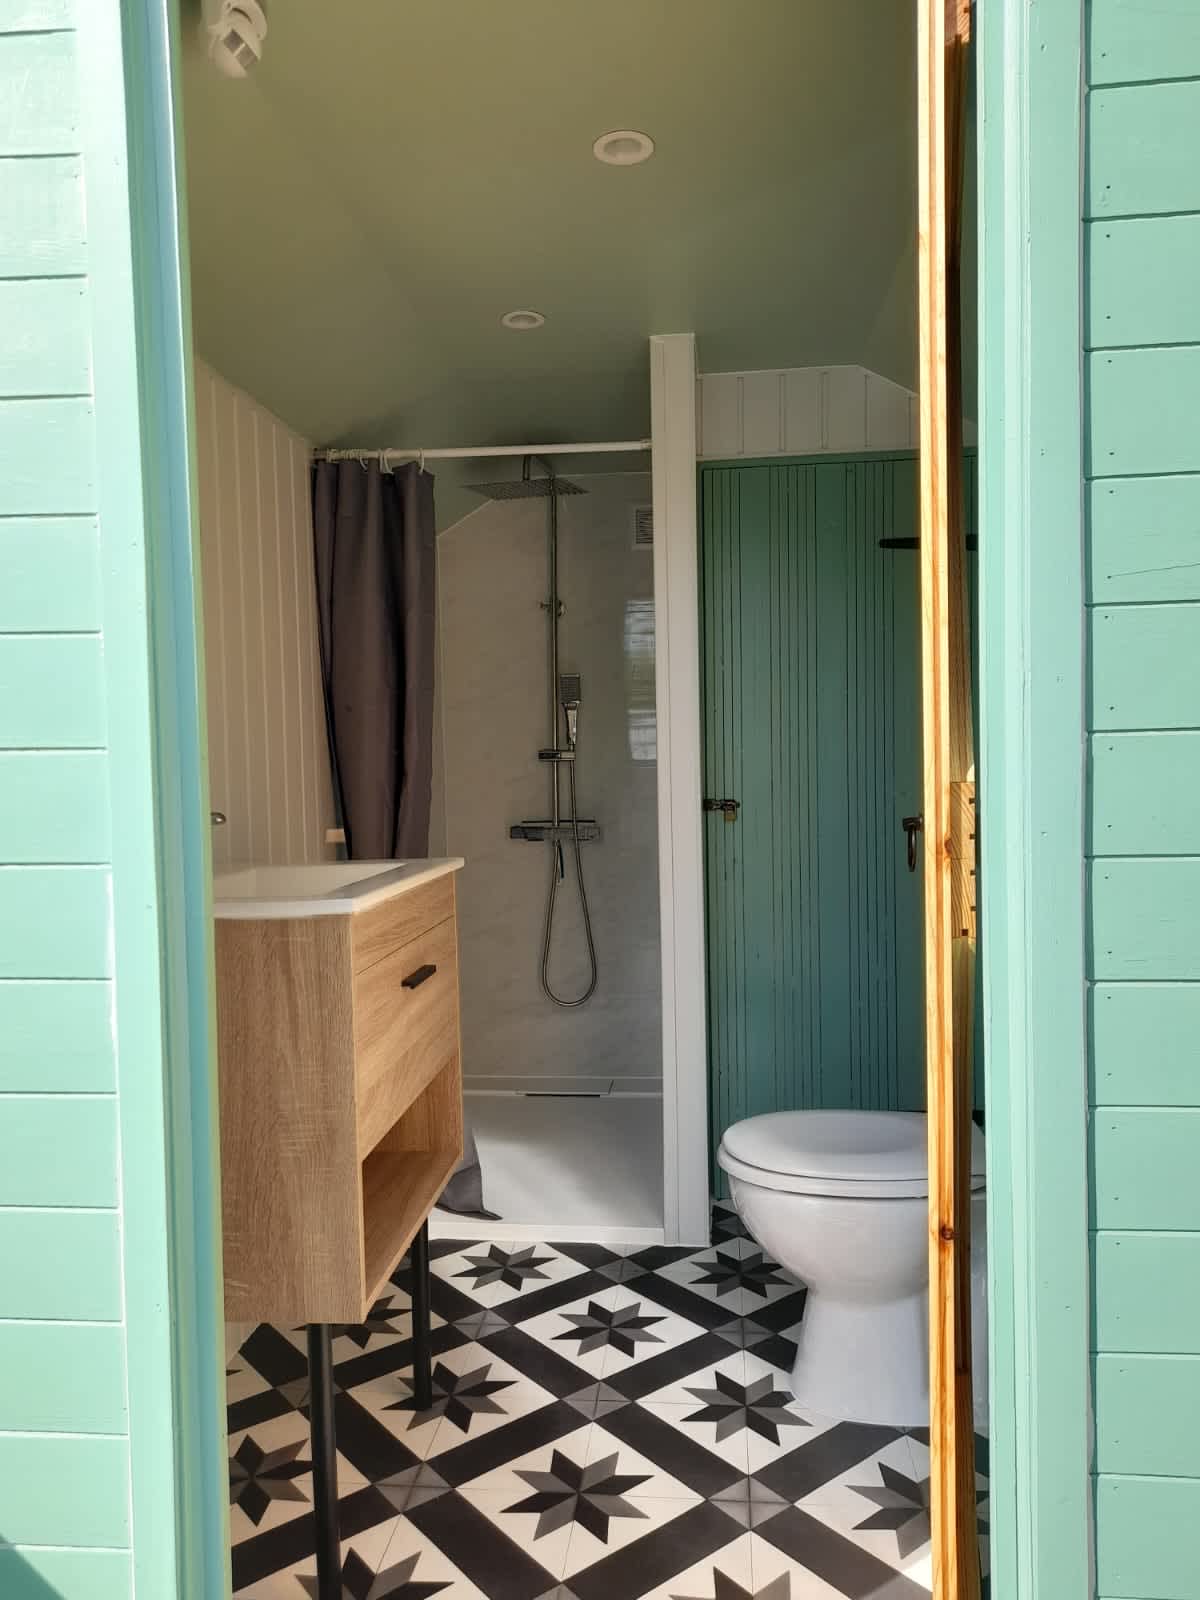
(442,1225)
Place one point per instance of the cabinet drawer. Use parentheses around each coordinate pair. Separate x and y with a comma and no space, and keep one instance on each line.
(396,922)
(405,1027)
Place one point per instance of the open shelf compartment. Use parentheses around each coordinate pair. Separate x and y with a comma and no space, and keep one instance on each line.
(406,1171)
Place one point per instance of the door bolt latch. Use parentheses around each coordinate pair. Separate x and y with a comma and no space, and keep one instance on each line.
(728,808)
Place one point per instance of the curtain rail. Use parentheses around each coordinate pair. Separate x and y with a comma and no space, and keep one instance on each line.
(466,452)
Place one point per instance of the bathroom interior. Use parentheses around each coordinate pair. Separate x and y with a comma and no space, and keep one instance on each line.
(677,1295)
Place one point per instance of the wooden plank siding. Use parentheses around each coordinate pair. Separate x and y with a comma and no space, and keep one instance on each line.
(65,1477)
(1142,369)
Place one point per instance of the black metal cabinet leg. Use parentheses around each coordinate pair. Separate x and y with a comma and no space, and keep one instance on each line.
(422,1356)
(324,1462)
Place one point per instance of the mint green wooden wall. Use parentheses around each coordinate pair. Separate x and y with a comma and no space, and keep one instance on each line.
(812,720)
(1142,438)
(105,1447)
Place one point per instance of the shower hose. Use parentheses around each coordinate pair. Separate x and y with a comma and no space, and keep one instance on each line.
(556,877)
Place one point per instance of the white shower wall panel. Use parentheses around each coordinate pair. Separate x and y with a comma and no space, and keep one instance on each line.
(495,718)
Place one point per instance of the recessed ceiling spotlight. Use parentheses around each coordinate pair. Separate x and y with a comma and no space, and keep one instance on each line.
(522,320)
(624,147)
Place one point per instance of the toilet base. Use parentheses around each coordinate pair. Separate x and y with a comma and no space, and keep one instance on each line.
(864,1362)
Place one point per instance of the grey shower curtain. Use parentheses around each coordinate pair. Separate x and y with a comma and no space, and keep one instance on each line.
(375,555)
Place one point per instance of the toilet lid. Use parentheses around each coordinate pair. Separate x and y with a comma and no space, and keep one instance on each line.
(837,1152)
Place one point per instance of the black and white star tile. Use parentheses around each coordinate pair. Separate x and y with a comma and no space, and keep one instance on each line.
(606,1425)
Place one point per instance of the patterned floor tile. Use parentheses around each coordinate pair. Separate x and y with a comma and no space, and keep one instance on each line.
(650,1478)
(516,1473)
(776,1576)
(735,1274)
(473,1393)
(270,1475)
(727,1575)
(532,1520)
(494,1274)
(413,1567)
(607,1425)
(635,1521)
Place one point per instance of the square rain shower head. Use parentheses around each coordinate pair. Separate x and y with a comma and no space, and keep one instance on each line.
(525,488)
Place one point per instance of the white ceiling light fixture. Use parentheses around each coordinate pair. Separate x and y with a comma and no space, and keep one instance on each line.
(623,147)
(522,321)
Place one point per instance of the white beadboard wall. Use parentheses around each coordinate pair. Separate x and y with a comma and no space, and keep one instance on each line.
(268,759)
(804,411)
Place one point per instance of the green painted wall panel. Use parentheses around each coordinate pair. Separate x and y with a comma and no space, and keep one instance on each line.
(1146,918)
(54,806)
(71,1574)
(1144,1048)
(1142,406)
(60,1266)
(56,1038)
(54,922)
(1144,539)
(1143,794)
(42,225)
(49,575)
(51,692)
(65,1490)
(62,1377)
(1142,273)
(45,346)
(1135,40)
(39,95)
(1148,1415)
(1139,672)
(1147,1293)
(61,1150)
(36,15)
(47,457)
(149,1275)
(1145,1546)
(1142,322)
(1145,1161)
(1141,143)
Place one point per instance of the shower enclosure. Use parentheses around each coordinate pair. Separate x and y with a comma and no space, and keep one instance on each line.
(547,785)
(565,690)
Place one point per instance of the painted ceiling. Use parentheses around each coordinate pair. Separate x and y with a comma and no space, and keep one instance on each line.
(397,175)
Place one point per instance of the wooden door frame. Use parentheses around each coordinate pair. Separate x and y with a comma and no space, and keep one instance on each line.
(1032,777)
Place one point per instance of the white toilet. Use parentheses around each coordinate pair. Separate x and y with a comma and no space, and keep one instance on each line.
(839,1199)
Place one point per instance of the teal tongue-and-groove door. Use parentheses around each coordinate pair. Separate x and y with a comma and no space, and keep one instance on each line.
(812,722)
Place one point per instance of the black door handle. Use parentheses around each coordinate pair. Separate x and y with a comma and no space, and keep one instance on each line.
(912,827)
(417,978)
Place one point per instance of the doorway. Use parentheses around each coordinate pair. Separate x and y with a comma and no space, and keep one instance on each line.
(811,700)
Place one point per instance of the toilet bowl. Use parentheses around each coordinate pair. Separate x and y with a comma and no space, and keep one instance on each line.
(840,1200)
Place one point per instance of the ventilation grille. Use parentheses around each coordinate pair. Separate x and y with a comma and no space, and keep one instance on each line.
(643,527)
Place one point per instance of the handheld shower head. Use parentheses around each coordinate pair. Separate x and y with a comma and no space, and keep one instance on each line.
(569,696)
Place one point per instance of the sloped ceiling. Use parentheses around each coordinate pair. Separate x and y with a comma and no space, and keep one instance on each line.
(396,175)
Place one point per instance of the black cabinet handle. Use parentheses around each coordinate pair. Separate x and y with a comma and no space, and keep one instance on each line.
(417,978)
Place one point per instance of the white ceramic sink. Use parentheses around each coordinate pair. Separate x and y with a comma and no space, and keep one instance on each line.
(330,888)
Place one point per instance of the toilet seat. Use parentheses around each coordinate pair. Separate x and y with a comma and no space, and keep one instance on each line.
(869,1155)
